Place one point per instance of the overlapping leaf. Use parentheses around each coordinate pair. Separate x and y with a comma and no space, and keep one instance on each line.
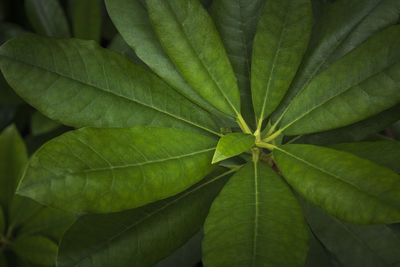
(143,236)
(231,145)
(255,221)
(77,172)
(353,189)
(86,19)
(81,84)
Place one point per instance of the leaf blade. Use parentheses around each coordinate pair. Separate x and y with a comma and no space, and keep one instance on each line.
(352,189)
(200,55)
(255,223)
(87,19)
(94,178)
(231,145)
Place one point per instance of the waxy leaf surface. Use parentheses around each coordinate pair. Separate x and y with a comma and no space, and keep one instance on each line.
(78,172)
(139,237)
(255,221)
(361,84)
(279,44)
(188,35)
(353,189)
(233,144)
(81,84)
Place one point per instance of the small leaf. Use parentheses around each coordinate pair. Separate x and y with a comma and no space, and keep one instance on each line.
(132,21)
(231,145)
(354,245)
(86,19)
(47,17)
(255,221)
(35,249)
(78,83)
(77,172)
(13,157)
(353,189)
(279,44)
(141,237)
(385,153)
(361,84)
(189,37)
(40,124)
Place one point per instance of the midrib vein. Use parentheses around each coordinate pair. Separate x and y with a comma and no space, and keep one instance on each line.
(111,93)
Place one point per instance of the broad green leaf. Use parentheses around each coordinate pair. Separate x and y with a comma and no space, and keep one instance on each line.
(341,27)
(232,144)
(385,153)
(188,35)
(7,113)
(353,189)
(139,237)
(353,245)
(236,22)
(279,44)
(47,17)
(9,31)
(255,221)
(355,132)
(133,22)
(36,249)
(77,172)
(118,44)
(187,255)
(2,221)
(361,84)
(40,124)
(87,19)
(317,255)
(13,158)
(78,83)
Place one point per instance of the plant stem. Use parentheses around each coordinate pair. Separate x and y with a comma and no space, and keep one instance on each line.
(243,125)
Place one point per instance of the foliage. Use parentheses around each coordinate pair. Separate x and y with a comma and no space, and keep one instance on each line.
(236,120)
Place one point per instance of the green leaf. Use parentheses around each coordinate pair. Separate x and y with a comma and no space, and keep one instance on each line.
(78,83)
(353,245)
(40,124)
(188,35)
(353,189)
(2,221)
(9,31)
(236,22)
(279,44)
(233,144)
(341,27)
(385,153)
(47,17)
(355,132)
(361,84)
(7,113)
(13,157)
(87,19)
(133,22)
(139,237)
(118,44)
(77,172)
(187,255)
(255,221)
(317,255)
(36,249)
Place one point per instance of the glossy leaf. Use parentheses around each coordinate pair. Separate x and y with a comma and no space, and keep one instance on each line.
(87,19)
(133,22)
(36,249)
(385,153)
(341,27)
(188,35)
(361,84)
(40,124)
(13,157)
(47,17)
(255,221)
(353,245)
(81,84)
(355,132)
(77,172)
(279,44)
(353,189)
(236,22)
(232,144)
(139,237)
